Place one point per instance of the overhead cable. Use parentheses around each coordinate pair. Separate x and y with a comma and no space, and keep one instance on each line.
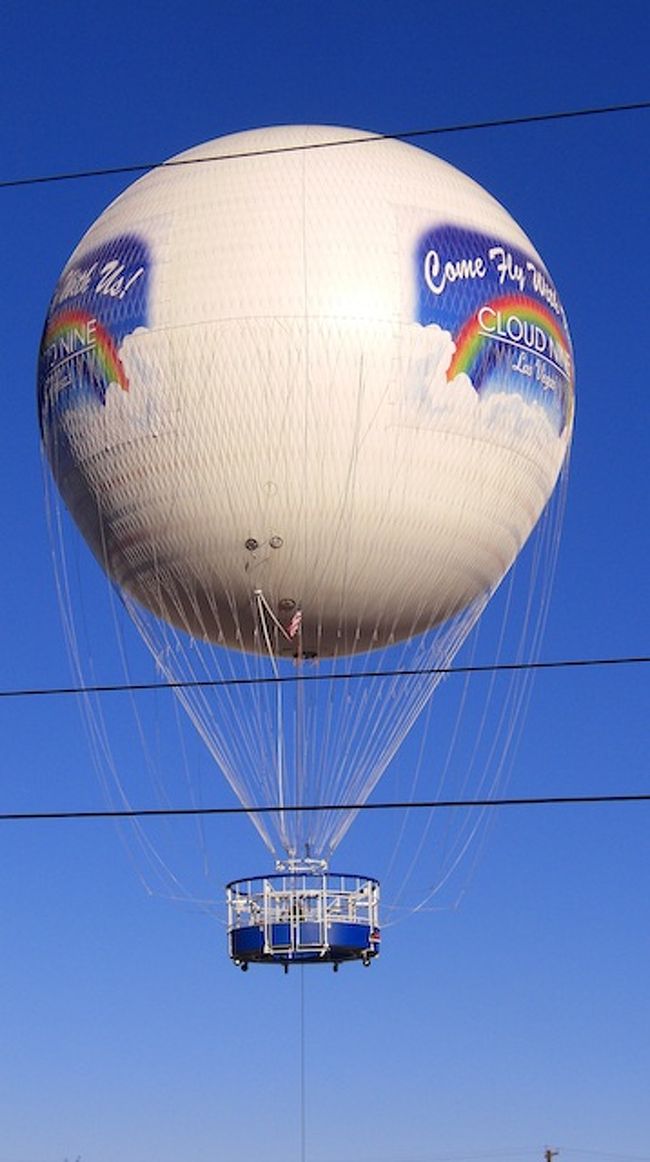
(302,808)
(360,139)
(287,679)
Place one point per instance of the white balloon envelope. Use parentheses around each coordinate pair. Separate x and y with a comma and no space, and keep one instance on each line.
(305,397)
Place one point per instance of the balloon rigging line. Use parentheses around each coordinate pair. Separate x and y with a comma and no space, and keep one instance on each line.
(262,608)
(362,139)
(201,683)
(405,805)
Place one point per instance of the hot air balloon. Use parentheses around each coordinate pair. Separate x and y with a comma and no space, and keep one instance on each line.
(305,393)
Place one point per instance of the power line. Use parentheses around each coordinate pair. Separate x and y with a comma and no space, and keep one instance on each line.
(361,139)
(605,1154)
(288,679)
(314,808)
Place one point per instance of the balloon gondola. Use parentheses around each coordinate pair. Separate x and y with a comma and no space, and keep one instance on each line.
(303,914)
(305,396)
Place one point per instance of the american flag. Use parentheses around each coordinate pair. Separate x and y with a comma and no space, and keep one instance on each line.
(295,623)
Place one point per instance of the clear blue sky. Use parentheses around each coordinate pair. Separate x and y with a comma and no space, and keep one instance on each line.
(518,1019)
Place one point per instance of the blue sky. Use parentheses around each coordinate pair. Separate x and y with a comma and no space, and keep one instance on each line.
(517,1016)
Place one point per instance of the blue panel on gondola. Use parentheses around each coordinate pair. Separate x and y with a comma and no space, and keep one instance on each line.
(281,935)
(247,941)
(350,936)
(310,934)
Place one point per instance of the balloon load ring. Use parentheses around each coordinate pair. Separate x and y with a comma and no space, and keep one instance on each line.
(303,914)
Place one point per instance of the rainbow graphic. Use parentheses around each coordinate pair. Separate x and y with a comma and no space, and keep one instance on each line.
(514,320)
(75,334)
